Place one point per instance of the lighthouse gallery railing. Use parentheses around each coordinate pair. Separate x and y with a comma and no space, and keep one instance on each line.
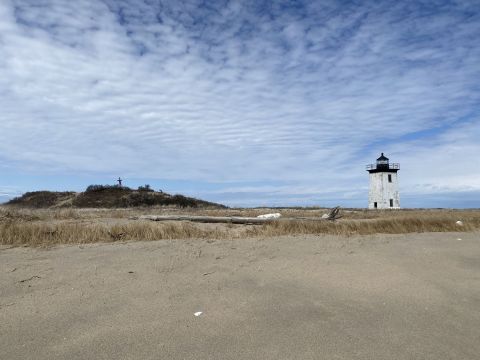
(393,166)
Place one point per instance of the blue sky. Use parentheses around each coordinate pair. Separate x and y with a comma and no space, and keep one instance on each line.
(248,103)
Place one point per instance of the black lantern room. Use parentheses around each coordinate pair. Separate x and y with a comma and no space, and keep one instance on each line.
(383,165)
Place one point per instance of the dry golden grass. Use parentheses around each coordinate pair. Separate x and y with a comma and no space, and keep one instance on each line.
(41,234)
(47,227)
(391,225)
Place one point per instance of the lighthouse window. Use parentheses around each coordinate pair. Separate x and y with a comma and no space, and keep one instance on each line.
(391,202)
(389,178)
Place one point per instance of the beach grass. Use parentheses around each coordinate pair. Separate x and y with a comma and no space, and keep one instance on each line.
(48,227)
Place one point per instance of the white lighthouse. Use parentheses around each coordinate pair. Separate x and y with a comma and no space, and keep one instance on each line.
(383,192)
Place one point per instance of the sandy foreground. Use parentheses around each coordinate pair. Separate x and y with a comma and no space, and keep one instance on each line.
(414,296)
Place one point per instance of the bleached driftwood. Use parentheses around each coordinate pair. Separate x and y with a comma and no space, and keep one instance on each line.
(270,216)
(205,219)
(332,216)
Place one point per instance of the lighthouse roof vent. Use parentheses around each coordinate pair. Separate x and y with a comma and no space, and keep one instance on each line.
(382,158)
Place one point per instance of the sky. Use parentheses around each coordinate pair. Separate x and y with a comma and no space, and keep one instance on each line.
(247,103)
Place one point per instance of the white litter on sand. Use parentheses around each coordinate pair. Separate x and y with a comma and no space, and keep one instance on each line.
(459,239)
(459,223)
(325,216)
(198,313)
(270,216)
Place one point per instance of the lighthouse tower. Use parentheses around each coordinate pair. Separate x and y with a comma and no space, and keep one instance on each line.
(383,192)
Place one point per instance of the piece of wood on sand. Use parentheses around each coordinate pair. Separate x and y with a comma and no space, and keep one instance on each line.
(332,216)
(205,219)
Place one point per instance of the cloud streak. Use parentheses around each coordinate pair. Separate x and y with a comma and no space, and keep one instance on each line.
(299,93)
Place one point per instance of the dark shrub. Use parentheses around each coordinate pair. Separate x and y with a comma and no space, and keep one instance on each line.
(146,188)
(91,188)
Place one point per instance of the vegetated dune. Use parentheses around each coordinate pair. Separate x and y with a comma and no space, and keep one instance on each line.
(43,199)
(106,197)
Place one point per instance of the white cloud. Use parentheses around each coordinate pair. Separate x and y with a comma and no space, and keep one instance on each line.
(239,92)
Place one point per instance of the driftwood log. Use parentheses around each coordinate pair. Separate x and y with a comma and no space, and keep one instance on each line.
(331,216)
(334,214)
(206,219)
